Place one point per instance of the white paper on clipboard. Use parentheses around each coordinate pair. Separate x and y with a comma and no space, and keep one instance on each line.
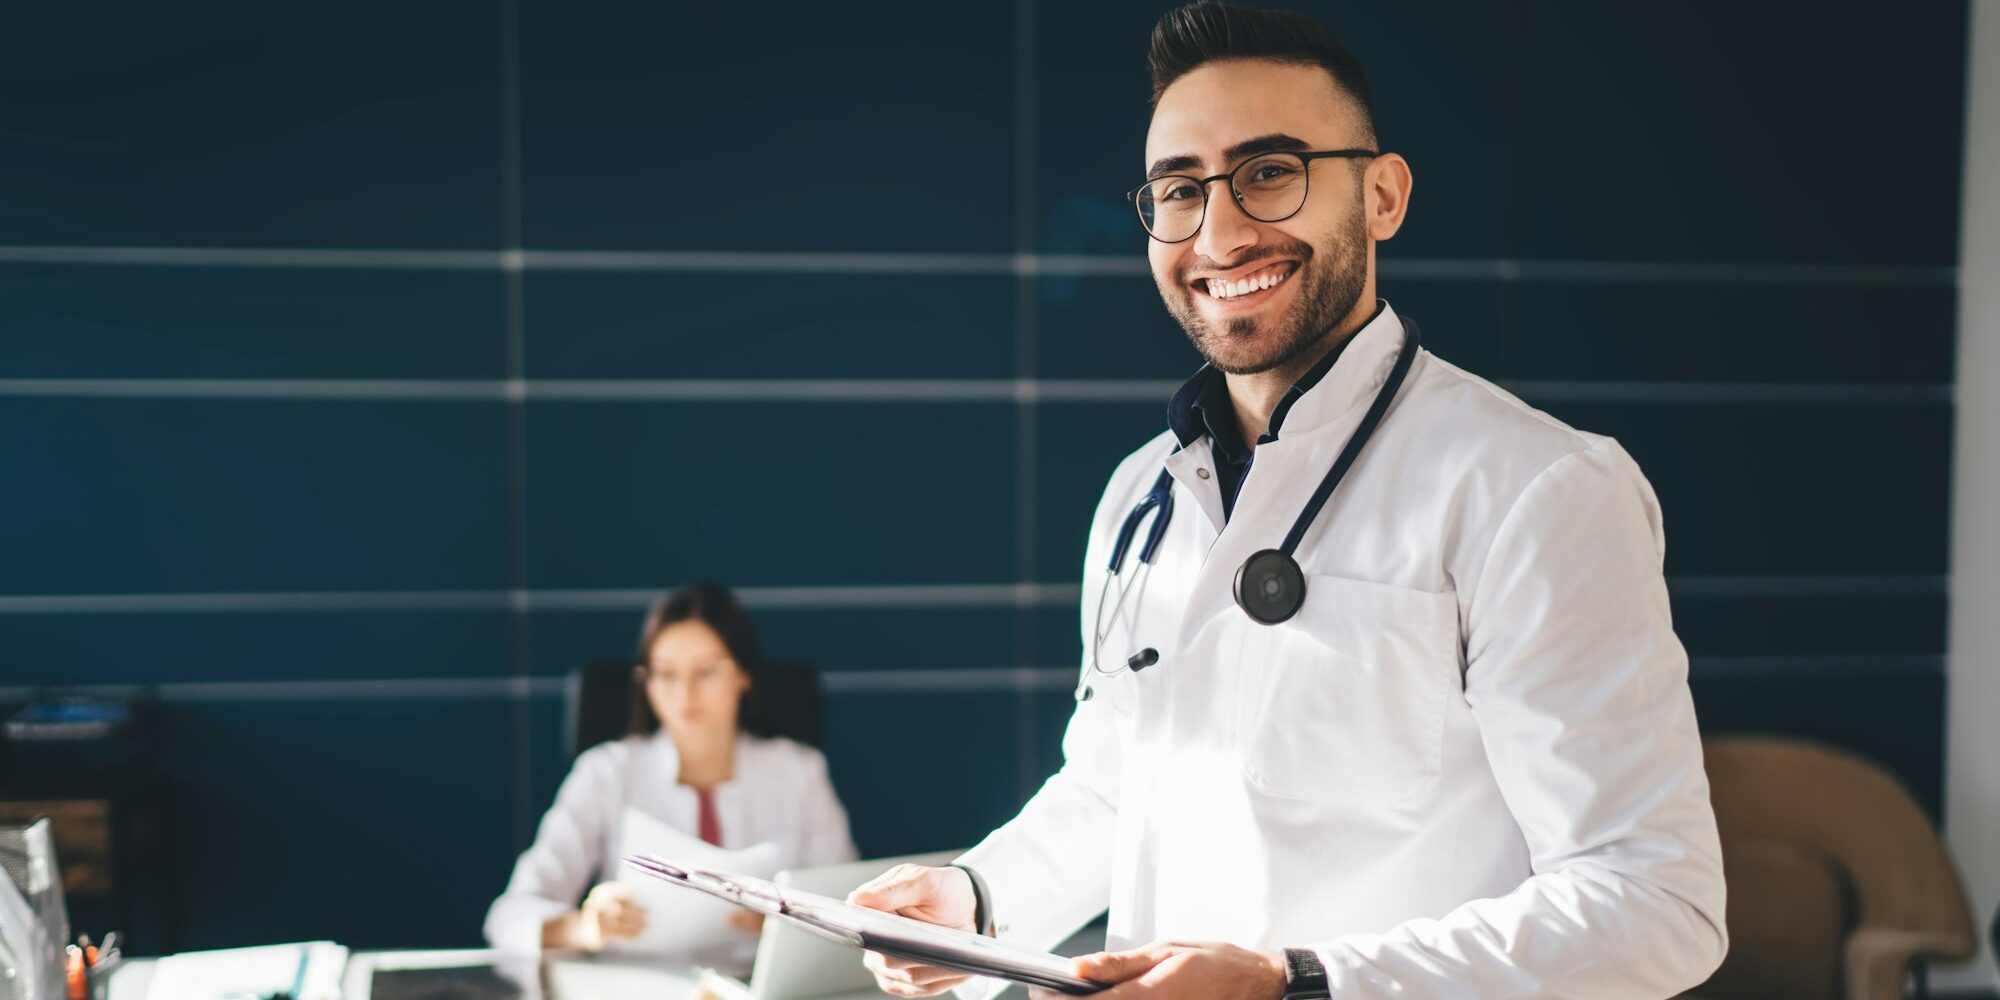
(872,930)
(687,926)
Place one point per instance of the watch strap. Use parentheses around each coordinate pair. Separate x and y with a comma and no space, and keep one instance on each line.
(982,911)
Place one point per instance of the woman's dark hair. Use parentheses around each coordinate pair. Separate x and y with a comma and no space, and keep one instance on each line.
(713,605)
(1207,31)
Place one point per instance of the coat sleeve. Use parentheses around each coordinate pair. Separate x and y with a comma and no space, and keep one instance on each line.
(1579,688)
(552,875)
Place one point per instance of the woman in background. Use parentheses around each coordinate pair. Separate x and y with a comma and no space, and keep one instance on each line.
(693,762)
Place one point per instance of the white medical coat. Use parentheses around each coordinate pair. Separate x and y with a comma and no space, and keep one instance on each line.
(1468,767)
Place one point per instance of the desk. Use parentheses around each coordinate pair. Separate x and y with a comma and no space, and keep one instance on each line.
(568,977)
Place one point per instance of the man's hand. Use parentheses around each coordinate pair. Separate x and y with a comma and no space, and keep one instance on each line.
(1173,970)
(935,895)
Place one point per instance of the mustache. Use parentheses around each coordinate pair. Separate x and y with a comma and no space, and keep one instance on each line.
(1298,248)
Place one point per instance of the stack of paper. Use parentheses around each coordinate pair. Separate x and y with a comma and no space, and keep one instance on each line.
(308,971)
(690,927)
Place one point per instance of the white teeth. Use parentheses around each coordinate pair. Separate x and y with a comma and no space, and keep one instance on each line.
(1231,289)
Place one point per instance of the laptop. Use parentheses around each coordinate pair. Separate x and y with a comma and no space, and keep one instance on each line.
(794,965)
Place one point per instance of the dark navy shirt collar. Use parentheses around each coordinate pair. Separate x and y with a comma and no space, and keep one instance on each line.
(1201,406)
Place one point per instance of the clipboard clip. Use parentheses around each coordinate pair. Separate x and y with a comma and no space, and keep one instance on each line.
(763,898)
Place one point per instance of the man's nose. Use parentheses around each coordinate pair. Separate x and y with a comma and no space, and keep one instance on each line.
(1227,229)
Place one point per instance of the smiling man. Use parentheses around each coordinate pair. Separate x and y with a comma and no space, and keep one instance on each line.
(1380,695)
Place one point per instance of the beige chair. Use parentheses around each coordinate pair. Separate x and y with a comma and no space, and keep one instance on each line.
(1837,881)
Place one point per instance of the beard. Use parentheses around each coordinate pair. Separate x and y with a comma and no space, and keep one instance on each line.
(1331,278)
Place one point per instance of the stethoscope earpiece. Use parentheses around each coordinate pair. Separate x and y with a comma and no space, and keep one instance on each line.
(1142,659)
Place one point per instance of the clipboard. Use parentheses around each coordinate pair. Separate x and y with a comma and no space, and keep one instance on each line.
(875,930)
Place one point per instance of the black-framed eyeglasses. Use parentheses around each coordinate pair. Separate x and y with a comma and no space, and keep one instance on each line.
(1269,187)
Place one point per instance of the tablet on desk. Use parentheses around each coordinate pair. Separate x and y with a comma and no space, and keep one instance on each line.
(463,982)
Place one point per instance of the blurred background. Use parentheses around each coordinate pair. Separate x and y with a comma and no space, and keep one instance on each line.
(366,368)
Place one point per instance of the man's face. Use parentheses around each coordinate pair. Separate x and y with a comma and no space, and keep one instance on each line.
(1317,258)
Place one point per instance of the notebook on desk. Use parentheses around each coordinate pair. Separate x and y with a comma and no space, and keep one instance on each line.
(310,970)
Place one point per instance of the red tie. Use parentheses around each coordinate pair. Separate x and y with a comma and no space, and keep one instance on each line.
(710,824)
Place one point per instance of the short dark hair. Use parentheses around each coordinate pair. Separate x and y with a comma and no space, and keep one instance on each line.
(713,605)
(1209,31)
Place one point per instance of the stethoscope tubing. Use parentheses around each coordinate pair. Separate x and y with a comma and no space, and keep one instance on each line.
(1159,501)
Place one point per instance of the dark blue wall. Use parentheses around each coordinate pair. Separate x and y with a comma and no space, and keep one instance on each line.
(349,482)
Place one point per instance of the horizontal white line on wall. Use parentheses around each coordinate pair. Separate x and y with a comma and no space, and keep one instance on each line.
(993,595)
(970,679)
(1702,586)
(971,390)
(422,390)
(853,682)
(356,689)
(1777,667)
(1756,393)
(1058,265)
(976,595)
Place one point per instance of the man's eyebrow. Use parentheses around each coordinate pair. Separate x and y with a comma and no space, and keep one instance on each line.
(1272,143)
(1172,164)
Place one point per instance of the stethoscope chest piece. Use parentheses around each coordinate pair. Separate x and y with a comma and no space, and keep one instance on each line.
(1270,587)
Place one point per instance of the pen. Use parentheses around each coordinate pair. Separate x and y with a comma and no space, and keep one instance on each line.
(75,977)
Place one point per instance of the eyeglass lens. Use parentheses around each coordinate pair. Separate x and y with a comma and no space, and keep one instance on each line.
(1268,188)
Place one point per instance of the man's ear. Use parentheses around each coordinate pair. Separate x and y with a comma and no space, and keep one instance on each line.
(1386,192)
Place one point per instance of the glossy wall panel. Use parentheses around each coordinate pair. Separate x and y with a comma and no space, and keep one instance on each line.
(137,496)
(1789,489)
(849,129)
(1749,333)
(780,493)
(279,124)
(251,646)
(762,326)
(388,816)
(918,771)
(1649,134)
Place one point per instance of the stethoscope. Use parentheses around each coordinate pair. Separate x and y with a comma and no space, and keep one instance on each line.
(1269,586)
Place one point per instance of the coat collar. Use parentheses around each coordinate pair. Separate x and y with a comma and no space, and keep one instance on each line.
(1318,398)
(1364,365)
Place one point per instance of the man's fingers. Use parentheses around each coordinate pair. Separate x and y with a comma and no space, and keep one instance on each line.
(906,990)
(903,885)
(890,972)
(1119,966)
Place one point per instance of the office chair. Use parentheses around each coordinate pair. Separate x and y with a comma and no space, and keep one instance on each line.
(786,701)
(1839,887)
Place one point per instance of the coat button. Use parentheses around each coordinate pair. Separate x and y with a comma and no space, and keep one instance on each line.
(1203,473)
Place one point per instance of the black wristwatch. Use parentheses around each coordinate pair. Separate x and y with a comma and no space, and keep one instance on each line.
(1305,977)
